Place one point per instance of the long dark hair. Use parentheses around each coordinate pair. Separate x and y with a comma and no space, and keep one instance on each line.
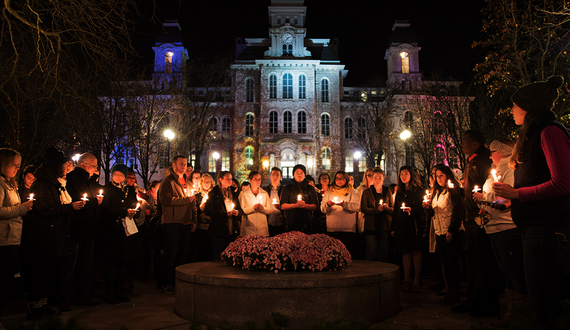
(450,177)
(415,182)
(530,122)
(345,175)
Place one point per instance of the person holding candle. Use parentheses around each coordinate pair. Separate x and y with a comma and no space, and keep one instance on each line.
(275,220)
(340,204)
(202,242)
(321,188)
(540,195)
(178,220)
(118,249)
(79,266)
(256,205)
(28,178)
(12,208)
(223,208)
(48,233)
(299,200)
(407,226)
(376,205)
(447,211)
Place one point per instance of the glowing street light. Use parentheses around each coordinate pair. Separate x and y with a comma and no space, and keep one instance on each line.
(75,158)
(405,135)
(216,155)
(357,155)
(265,163)
(169,134)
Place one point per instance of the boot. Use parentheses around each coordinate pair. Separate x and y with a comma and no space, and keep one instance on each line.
(508,315)
(451,298)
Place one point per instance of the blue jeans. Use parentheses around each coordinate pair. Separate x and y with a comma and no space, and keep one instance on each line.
(508,249)
(543,250)
(176,246)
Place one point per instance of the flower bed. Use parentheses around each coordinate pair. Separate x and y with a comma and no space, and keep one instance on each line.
(286,252)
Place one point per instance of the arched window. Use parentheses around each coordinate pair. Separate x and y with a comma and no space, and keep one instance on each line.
(326,156)
(302,87)
(214,128)
(248,125)
(348,128)
(287,50)
(226,127)
(249,90)
(271,160)
(405,62)
(273,120)
(248,153)
(168,61)
(272,86)
(287,86)
(324,90)
(287,122)
(301,122)
(348,162)
(325,125)
(361,128)
(225,160)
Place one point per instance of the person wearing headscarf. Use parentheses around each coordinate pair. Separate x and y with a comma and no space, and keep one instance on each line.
(48,232)
(340,204)
(299,200)
(540,195)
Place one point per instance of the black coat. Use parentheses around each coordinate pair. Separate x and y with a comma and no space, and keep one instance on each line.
(299,219)
(408,228)
(216,209)
(115,246)
(48,221)
(83,221)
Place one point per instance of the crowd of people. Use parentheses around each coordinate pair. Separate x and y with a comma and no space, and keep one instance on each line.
(502,224)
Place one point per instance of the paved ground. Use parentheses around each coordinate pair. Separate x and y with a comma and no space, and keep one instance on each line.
(152,309)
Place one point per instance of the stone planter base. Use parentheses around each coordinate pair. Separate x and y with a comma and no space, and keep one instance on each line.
(214,293)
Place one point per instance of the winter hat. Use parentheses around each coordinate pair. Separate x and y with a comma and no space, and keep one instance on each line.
(501,148)
(300,166)
(538,97)
(55,157)
(121,168)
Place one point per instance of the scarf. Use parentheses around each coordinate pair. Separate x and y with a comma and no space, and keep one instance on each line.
(340,191)
(63,194)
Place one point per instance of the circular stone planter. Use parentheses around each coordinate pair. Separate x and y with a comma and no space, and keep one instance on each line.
(214,293)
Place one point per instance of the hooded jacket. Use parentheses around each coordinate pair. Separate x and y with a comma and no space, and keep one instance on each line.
(11,212)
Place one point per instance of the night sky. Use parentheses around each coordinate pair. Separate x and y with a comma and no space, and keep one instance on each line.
(445,30)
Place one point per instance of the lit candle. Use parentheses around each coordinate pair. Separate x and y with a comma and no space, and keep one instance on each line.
(299,197)
(381,202)
(204,199)
(335,200)
(476,189)
(274,200)
(100,193)
(403,206)
(85,198)
(31,198)
(259,197)
(496,177)
(233,206)
(428,193)
(450,184)
(138,205)
(426,199)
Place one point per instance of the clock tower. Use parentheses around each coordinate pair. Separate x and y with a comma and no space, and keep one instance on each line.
(287,32)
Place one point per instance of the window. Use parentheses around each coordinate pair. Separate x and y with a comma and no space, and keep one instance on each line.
(362,163)
(248,125)
(287,122)
(287,86)
(325,125)
(405,62)
(302,87)
(324,90)
(348,128)
(272,86)
(248,153)
(408,118)
(278,21)
(301,122)
(249,90)
(348,162)
(168,61)
(211,163)
(273,120)
(271,160)
(225,160)
(226,126)
(214,128)
(287,50)
(361,128)
(296,21)
(326,156)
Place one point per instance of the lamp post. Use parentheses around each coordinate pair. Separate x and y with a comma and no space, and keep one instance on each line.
(169,135)
(404,136)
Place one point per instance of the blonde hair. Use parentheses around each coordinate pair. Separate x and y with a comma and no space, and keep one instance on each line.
(7,159)
(209,177)
(365,179)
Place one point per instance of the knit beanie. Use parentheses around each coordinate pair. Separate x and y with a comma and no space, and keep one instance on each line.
(538,97)
(300,166)
(121,168)
(55,157)
(501,148)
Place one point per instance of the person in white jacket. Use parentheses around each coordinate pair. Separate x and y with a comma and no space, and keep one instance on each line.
(340,204)
(256,206)
(505,237)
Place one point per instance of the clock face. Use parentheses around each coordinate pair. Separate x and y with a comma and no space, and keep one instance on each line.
(287,38)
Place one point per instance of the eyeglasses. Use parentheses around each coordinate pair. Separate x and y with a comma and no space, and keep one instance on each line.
(368,175)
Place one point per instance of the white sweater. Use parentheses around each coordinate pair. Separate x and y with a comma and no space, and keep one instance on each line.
(255,222)
(500,220)
(341,218)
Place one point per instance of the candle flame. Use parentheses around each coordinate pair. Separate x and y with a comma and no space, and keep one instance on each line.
(381,202)
(31,197)
(274,200)
(138,205)
(495,176)
(403,206)
(450,184)
(100,193)
(476,189)
(299,197)
(233,206)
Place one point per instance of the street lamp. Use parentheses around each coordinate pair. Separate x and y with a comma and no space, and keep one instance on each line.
(404,136)
(265,164)
(169,135)
(75,158)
